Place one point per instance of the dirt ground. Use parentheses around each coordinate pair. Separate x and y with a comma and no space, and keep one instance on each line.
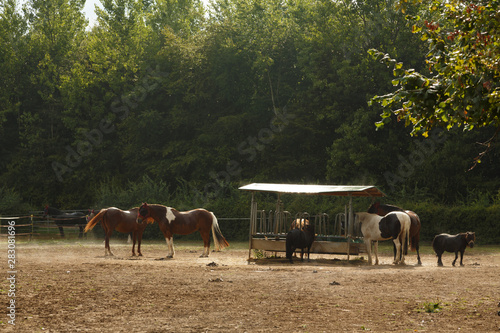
(72,287)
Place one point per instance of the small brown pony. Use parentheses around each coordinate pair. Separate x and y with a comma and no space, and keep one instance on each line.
(383,210)
(173,222)
(122,221)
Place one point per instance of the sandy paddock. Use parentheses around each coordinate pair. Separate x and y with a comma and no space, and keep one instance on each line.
(72,287)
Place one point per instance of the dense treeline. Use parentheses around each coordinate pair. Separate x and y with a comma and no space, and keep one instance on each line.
(167,101)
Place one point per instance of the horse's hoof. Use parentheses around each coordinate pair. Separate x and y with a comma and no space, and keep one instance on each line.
(169,257)
(140,254)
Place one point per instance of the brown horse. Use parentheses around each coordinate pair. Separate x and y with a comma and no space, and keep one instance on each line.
(383,210)
(173,222)
(122,221)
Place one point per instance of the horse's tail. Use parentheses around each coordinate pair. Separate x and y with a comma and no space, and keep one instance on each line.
(219,241)
(414,223)
(96,219)
(414,241)
(408,242)
(406,234)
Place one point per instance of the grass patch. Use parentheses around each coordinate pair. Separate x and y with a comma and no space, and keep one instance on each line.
(431,307)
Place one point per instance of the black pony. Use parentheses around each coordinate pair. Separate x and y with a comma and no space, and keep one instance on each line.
(300,239)
(66,219)
(456,243)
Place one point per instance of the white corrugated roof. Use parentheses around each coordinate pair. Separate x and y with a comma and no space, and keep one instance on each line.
(340,190)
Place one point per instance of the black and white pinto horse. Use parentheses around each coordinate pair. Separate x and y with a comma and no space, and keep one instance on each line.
(62,219)
(395,226)
(456,243)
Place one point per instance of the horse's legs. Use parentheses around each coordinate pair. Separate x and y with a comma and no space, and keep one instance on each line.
(418,254)
(107,249)
(462,257)
(205,235)
(61,231)
(133,243)
(170,245)
(397,243)
(394,250)
(456,256)
(440,262)
(293,251)
(375,249)
(139,239)
(368,244)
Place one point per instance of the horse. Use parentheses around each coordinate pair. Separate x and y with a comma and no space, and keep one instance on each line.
(300,238)
(299,224)
(122,221)
(382,210)
(172,221)
(395,226)
(66,219)
(456,243)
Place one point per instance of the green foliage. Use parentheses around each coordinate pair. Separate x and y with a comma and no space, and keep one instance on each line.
(168,102)
(461,88)
(134,194)
(11,203)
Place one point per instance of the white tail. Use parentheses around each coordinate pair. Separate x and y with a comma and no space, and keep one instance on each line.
(219,240)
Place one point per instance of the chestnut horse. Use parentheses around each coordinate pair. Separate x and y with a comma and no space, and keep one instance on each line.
(122,221)
(173,222)
(382,210)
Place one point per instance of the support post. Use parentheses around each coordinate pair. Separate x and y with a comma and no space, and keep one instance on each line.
(253,222)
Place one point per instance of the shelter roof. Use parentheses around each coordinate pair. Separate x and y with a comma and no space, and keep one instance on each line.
(337,190)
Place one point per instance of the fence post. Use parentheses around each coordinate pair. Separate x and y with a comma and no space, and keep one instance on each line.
(32,228)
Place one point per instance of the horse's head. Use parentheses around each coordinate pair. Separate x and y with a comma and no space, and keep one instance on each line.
(309,227)
(144,213)
(470,237)
(373,209)
(91,213)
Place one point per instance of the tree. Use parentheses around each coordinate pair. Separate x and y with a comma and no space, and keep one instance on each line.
(462,87)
